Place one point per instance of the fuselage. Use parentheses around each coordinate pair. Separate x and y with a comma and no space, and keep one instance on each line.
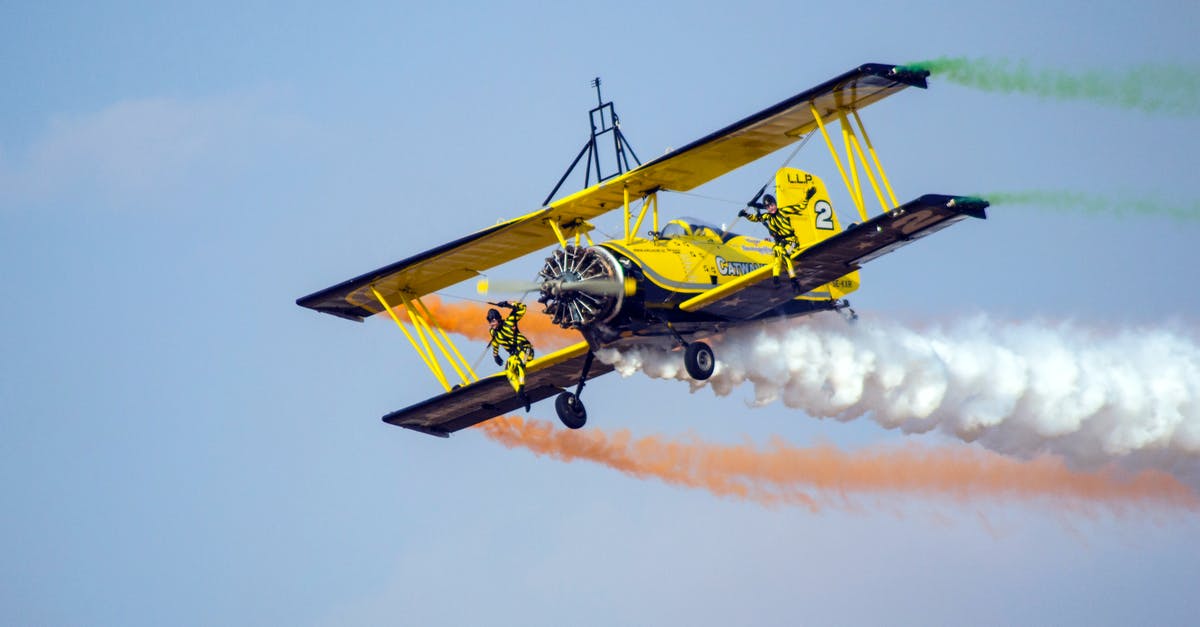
(687,258)
(691,256)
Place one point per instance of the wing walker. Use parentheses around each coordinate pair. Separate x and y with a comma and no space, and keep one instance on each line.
(680,282)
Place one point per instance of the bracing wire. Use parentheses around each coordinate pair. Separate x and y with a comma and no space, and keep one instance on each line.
(762,189)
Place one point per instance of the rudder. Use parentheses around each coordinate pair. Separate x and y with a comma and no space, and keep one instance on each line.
(813,219)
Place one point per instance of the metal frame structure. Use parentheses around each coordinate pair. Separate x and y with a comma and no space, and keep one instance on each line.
(608,123)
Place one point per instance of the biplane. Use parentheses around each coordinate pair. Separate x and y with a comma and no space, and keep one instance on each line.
(679,283)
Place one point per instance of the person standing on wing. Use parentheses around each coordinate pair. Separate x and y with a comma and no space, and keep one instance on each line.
(506,335)
(779,224)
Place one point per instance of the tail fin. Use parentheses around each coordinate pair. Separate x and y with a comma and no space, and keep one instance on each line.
(813,220)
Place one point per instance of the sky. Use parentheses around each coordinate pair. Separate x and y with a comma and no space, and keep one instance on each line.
(182,444)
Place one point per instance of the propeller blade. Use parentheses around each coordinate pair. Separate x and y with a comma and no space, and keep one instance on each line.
(599,287)
(506,286)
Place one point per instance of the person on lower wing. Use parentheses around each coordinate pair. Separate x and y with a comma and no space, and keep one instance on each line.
(779,224)
(506,335)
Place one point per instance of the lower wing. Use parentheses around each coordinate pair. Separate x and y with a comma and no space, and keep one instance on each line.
(837,256)
(492,396)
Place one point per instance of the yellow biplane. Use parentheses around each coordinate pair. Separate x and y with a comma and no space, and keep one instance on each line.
(679,283)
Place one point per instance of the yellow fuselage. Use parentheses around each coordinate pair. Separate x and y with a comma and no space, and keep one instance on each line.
(691,258)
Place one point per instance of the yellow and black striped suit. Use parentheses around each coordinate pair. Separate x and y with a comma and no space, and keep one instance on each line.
(779,225)
(520,350)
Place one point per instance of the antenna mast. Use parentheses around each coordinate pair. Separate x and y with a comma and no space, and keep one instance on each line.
(604,122)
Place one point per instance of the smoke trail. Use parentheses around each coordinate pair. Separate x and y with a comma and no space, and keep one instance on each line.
(1091,203)
(468,319)
(779,474)
(1021,389)
(1173,89)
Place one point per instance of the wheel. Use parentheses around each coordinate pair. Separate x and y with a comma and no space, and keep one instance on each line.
(699,360)
(570,410)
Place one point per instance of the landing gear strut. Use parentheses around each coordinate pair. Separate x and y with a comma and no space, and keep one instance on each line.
(698,357)
(569,408)
(843,306)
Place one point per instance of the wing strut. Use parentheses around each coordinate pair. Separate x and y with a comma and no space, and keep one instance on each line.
(587,367)
(429,320)
(424,324)
(855,149)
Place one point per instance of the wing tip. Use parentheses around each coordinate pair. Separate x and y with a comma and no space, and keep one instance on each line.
(439,433)
(973,206)
(912,75)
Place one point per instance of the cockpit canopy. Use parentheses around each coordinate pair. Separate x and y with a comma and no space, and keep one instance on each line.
(694,226)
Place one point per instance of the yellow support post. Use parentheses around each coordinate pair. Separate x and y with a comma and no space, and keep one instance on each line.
(654,199)
(429,316)
(420,319)
(627,216)
(557,232)
(875,157)
(867,168)
(641,215)
(432,365)
(433,361)
(857,191)
(833,151)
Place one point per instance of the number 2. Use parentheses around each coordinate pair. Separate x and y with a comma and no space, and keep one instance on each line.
(824,215)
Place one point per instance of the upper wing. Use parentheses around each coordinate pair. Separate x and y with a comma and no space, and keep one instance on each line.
(837,256)
(492,396)
(749,139)
(436,268)
(680,170)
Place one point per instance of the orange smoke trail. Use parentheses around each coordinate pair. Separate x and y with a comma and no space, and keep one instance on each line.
(468,319)
(823,475)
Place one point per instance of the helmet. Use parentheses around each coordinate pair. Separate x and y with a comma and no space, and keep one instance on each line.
(493,315)
(768,200)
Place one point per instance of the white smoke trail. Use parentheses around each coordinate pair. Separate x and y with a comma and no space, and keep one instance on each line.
(1092,397)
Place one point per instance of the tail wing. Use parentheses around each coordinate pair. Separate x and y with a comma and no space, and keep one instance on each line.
(813,220)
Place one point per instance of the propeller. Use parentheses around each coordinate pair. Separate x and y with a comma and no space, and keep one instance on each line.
(598,287)
(506,286)
(579,286)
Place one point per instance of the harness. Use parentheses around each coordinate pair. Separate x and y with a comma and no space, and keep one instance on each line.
(779,224)
(508,336)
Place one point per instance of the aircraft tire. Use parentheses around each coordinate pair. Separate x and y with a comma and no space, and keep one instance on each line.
(699,360)
(570,410)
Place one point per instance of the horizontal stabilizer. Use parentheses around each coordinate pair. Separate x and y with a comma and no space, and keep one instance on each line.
(833,258)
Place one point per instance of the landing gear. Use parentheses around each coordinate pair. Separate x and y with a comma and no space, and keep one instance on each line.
(698,357)
(570,410)
(843,306)
(699,361)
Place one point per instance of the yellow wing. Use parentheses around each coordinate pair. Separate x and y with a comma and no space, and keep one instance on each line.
(699,162)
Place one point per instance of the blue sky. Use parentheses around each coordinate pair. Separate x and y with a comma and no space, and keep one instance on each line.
(182,444)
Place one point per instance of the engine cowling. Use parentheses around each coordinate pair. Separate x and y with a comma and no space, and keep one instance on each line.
(581,286)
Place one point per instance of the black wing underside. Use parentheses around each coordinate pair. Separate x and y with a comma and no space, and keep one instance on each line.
(493,396)
(841,254)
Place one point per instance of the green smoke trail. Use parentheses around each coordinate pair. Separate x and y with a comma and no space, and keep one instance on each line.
(1173,89)
(1091,203)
